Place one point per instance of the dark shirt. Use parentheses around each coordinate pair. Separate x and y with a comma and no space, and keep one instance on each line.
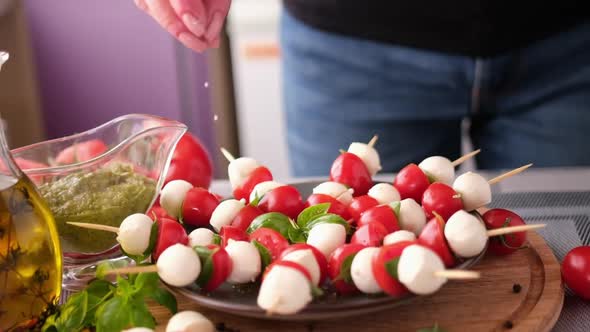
(479,28)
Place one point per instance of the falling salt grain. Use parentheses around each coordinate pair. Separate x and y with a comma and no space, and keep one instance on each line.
(215,117)
(206,84)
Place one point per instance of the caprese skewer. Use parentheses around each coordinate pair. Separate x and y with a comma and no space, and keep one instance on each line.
(191,205)
(244,174)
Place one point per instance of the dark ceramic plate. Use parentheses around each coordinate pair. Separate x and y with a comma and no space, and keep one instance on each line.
(241,300)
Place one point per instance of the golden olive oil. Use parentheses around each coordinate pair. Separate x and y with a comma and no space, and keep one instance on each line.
(30,256)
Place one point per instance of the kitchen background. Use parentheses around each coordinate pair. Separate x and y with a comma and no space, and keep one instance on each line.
(76,64)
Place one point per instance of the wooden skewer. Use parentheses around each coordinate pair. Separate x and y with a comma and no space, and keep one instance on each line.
(508,174)
(458,274)
(514,229)
(373,141)
(462,159)
(95,226)
(133,269)
(227,155)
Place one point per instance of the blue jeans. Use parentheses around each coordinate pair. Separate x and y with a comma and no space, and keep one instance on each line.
(531,105)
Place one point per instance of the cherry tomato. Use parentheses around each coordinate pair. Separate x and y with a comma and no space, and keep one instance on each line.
(81,152)
(359,205)
(575,271)
(385,260)
(198,206)
(222,267)
(170,232)
(370,235)
(259,175)
(272,240)
(157,212)
(383,214)
(433,237)
(190,162)
(319,257)
(350,170)
(288,264)
(442,199)
(25,164)
(339,274)
(411,182)
(245,217)
(336,207)
(232,233)
(284,199)
(504,244)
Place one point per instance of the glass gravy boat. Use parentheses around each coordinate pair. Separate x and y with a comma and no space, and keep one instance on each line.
(100,176)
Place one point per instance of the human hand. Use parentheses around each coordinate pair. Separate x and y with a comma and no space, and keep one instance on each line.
(195,23)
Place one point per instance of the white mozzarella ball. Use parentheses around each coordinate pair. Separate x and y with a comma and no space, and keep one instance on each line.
(172,196)
(336,190)
(467,236)
(284,291)
(368,155)
(179,265)
(440,168)
(138,329)
(240,169)
(327,237)
(134,233)
(475,191)
(189,321)
(361,271)
(411,216)
(399,236)
(201,237)
(416,270)
(262,188)
(225,212)
(384,193)
(246,262)
(306,258)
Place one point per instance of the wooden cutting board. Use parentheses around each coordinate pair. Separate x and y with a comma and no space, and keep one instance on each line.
(488,304)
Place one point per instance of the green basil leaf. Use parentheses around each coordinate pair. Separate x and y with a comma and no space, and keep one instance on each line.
(316,291)
(99,288)
(73,313)
(124,287)
(328,219)
(146,283)
(49,325)
(297,235)
(395,206)
(256,200)
(140,315)
(344,274)
(216,239)
(312,212)
(166,299)
(113,315)
(273,220)
(105,266)
(391,268)
(206,270)
(153,237)
(264,254)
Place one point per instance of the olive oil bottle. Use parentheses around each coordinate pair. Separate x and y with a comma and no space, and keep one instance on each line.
(30,256)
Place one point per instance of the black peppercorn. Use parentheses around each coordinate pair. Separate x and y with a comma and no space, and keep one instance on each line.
(516,288)
(508,324)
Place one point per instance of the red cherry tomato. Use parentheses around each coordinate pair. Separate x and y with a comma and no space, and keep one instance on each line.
(442,199)
(232,233)
(245,217)
(198,206)
(411,182)
(386,281)
(222,267)
(350,170)
(337,275)
(259,175)
(81,152)
(289,264)
(575,271)
(157,212)
(170,232)
(361,204)
(28,164)
(433,237)
(285,199)
(319,257)
(336,207)
(383,214)
(370,235)
(504,244)
(190,162)
(271,240)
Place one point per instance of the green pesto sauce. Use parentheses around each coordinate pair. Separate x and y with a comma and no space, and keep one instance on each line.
(105,196)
